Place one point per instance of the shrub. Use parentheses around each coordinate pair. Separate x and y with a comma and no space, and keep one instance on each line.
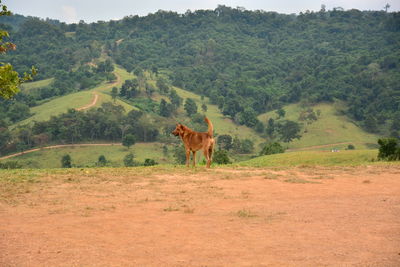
(66,161)
(221,157)
(351,147)
(389,149)
(102,161)
(272,148)
(150,162)
(128,160)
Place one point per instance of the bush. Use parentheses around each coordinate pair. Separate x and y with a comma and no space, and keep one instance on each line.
(179,154)
(351,147)
(389,149)
(66,161)
(102,161)
(272,148)
(221,157)
(128,160)
(150,162)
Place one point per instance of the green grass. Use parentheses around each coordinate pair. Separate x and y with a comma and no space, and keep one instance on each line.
(330,128)
(37,84)
(314,158)
(87,156)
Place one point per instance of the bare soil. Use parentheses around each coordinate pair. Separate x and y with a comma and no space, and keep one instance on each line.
(347,216)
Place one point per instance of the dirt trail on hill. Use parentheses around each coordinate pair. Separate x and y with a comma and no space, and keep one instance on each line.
(96,95)
(94,102)
(343,216)
(56,146)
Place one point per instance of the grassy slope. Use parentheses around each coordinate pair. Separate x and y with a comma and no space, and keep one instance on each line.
(314,158)
(330,128)
(88,156)
(37,84)
(76,100)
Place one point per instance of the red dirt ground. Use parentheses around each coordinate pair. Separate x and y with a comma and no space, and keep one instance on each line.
(221,217)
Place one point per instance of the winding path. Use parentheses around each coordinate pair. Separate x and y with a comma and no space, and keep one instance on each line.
(94,102)
(96,96)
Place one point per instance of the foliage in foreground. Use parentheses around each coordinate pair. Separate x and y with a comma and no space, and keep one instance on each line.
(389,149)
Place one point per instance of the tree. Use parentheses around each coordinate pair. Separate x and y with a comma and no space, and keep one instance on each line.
(114,93)
(247,146)
(165,109)
(281,113)
(66,161)
(190,107)
(204,107)
(10,79)
(176,100)
(289,130)
(128,160)
(128,140)
(102,161)
(224,142)
(270,129)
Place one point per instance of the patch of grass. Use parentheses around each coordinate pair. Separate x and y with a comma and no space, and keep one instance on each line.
(170,208)
(299,181)
(313,158)
(87,156)
(36,84)
(245,213)
(271,176)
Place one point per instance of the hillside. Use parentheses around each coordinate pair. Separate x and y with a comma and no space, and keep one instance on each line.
(245,61)
(331,130)
(76,100)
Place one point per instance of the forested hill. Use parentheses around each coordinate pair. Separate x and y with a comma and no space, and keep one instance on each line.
(247,62)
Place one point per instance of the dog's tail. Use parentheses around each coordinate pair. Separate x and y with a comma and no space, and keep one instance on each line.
(210,126)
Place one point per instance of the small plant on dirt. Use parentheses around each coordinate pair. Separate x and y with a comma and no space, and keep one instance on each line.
(271,176)
(171,209)
(245,213)
(299,181)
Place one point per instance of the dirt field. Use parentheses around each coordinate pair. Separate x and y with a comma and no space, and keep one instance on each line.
(342,216)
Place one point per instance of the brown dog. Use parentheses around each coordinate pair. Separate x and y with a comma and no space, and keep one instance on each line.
(194,141)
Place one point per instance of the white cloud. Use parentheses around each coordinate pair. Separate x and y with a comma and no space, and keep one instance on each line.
(69,14)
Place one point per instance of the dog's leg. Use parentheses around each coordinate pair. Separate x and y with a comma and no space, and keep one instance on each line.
(187,157)
(194,158)
(206,155)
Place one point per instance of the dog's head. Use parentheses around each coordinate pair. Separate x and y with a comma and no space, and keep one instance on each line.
(179,129)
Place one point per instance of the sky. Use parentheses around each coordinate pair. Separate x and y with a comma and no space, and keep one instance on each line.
(72,11)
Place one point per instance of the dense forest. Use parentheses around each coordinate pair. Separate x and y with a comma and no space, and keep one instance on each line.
(246,62)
